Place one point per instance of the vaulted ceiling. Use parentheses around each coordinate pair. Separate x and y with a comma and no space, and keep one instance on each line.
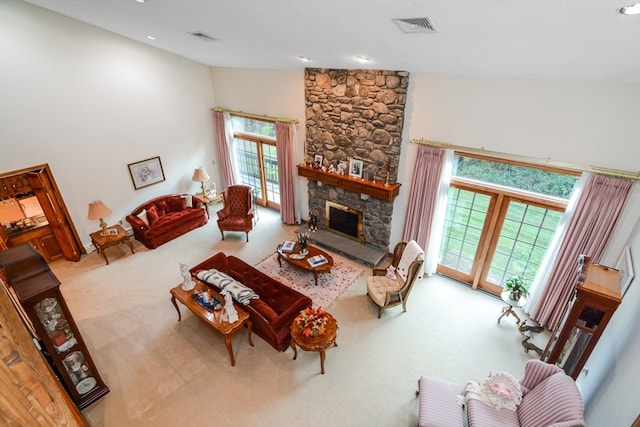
(586,40)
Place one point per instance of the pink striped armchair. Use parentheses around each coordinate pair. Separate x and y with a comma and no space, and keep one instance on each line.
(549,398)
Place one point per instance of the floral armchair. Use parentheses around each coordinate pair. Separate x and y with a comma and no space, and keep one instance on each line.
(237,213)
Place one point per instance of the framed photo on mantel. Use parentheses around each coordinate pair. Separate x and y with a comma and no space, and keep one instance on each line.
(146,172)
(355,168)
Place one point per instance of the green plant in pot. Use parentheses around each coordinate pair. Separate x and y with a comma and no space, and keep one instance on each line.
(517,287)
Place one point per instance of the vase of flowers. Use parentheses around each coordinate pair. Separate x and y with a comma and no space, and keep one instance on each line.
(303,242)
(312,321)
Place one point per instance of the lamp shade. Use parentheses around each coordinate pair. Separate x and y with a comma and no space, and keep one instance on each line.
(98,210)
(200,175)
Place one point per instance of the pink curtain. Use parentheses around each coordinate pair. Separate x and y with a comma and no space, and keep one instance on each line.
(224,152)
(423,195)
(285,140)
(593,221)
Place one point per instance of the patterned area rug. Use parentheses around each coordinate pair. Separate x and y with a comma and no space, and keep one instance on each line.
(330,285)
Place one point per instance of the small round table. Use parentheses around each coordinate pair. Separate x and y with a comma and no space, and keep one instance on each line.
(319,343)
(508,310)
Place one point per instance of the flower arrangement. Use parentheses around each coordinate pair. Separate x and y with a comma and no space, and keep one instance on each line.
(303,241)
(312,321)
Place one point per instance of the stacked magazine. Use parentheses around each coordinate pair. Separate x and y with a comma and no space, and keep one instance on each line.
(317,260)
(287,247)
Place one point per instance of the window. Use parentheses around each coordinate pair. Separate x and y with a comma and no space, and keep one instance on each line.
(255,149)
(500,220)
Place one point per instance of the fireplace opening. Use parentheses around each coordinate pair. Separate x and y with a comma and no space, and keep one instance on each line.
(343,220)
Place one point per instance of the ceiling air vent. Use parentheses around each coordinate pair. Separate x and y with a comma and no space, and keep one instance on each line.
(415,25)
(202,36)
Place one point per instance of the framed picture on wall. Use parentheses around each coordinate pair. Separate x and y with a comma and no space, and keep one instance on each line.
(355,167)
(625,267)
(146,172)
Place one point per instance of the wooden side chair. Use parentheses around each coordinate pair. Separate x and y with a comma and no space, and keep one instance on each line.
(387,291)
(237,213)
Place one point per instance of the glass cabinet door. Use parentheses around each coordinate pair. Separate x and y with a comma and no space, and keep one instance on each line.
(55,323)
(79,372)
(579,338)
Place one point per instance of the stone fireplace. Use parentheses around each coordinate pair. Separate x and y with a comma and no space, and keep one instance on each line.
(355,114)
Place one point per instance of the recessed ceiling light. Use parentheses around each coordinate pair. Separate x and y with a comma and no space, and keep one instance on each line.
(304,59)
(633,9)
(141,1)
(151,37)
(362,59)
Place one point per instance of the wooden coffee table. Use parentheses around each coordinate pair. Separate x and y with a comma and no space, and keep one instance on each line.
(319,343)
(212,318)
(303,264)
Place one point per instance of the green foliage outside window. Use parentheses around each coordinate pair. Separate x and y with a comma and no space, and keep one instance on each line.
(520,177)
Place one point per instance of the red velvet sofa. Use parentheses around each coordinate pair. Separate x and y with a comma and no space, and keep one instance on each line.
(271,314)
(164,218)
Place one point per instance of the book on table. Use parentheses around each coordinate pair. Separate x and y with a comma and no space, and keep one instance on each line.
(288,246)
(317,260)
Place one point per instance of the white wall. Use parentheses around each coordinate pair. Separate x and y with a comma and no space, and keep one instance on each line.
(276,93)
(88,102)
(612,372)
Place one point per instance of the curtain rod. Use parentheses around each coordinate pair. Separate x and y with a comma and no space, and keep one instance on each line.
(615,173)
(255,116)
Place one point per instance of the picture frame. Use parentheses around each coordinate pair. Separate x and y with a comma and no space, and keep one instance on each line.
(146,172)
(342,168)
(317,161)
(355,168)
(625,267)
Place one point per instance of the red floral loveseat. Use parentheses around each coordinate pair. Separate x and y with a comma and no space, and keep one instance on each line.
(164,218)
(272,313)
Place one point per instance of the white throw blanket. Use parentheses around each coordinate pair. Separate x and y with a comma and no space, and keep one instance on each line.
(500,390)
(410,253)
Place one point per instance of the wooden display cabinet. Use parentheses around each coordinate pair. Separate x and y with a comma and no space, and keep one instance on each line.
(38,291)
(596,298)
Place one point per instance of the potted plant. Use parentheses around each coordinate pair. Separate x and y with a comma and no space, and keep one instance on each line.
(517,287)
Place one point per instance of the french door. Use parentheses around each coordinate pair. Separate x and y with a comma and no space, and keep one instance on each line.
(492,233)
(258,167)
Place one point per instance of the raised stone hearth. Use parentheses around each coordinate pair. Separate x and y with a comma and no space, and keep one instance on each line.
(364,254)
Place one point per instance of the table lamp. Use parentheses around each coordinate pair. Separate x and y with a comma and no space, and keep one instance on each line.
(200,175)
(97,211)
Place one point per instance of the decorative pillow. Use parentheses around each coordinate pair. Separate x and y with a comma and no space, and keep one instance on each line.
(152,214)
(264,309)
(176,204)
(222,281)
(188,200)
(143,216)
(162,208)
(391,272)
(500,390)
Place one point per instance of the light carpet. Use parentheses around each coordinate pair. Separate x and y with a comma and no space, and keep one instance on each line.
(330,285)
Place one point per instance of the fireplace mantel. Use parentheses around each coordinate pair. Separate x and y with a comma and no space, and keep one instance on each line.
(376,189)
